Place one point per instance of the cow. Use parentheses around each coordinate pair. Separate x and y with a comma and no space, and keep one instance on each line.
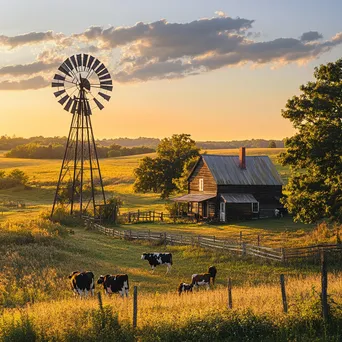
(82,283)
(204,278)
(201,280)
(115,284)
(184,287)
(156,259)
(212,271)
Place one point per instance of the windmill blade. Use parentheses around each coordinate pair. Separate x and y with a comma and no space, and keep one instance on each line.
(101,67)
(105,96)
(59,77)
(98,103)
(74,106)
(68,64)
(110,88)
(109,82)
(73,60)
(79,60)
(63,99)
(54,84)
(96,63)
(63,68)
(68,105)
(90,62)
(85,59)
(105,77)
(58,93)
(103,72)
(88,109)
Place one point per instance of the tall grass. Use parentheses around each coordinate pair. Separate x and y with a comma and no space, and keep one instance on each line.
(200,316)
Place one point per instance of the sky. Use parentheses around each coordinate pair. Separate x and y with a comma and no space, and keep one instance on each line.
(218,69)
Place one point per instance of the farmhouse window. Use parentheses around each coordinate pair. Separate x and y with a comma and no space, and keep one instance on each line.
(201,184)
(255,207)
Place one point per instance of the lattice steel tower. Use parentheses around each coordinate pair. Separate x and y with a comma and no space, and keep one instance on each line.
(82,82)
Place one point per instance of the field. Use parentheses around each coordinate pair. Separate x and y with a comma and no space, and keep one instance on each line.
(33,249)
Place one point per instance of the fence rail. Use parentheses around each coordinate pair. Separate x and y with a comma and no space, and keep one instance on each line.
(212,242)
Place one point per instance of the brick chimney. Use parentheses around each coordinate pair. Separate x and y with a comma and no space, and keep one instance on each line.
(242,158)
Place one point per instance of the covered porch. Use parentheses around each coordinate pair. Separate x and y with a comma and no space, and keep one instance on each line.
(201,206)
(238,206)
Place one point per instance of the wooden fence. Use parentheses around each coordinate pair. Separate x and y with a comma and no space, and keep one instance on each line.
(226,245)
(152,216)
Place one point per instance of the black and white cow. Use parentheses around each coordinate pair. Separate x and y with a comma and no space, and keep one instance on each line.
(203,279)
(82,283)
(184,287)
(156,259)
(115,284)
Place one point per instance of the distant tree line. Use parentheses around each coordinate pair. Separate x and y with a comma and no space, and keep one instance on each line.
(8,143)
(56,151)
(253,143)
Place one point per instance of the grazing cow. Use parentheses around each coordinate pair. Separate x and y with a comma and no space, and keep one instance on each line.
(82,283)
(212,271)
(156,259)
(201,280)
(115,284)
(184,287)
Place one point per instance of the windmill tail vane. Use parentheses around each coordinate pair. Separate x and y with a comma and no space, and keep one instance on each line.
(83,84)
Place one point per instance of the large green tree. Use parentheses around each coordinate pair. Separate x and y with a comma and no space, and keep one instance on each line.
(160,174)
(314,153)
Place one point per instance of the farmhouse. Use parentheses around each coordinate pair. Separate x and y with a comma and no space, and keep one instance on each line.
(232,187)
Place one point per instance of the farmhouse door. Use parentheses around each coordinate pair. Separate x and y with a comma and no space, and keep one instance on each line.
(222,211)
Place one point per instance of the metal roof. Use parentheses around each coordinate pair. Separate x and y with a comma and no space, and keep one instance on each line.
(194,198)
(226,170)
(239,198)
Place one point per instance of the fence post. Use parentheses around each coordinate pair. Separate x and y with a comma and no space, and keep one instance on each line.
(130,233)
(161,216)
(324,280)
(258,240)
(129,217)
(135,306)
(165,239)
(244,252)
(154,213)
(230,302)
(283,292)
(138,215)
(149,235)
(283,255)
(240,237)
(198,240)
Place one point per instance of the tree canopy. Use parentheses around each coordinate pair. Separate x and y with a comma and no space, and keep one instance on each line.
(160,175)
(314,153)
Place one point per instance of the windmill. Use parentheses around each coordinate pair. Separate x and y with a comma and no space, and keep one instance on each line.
(82,83)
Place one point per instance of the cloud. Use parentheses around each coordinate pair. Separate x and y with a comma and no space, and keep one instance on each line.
(31,83)
(163,50)
(28,69)
(29,38)
(310,36)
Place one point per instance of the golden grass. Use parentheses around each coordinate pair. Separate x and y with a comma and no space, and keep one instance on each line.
(56,318)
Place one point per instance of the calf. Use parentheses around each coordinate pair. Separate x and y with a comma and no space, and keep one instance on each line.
(183,287)
(156,259)
(115,284)
(82,283)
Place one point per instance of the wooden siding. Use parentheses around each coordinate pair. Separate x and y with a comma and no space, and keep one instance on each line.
(209,184)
